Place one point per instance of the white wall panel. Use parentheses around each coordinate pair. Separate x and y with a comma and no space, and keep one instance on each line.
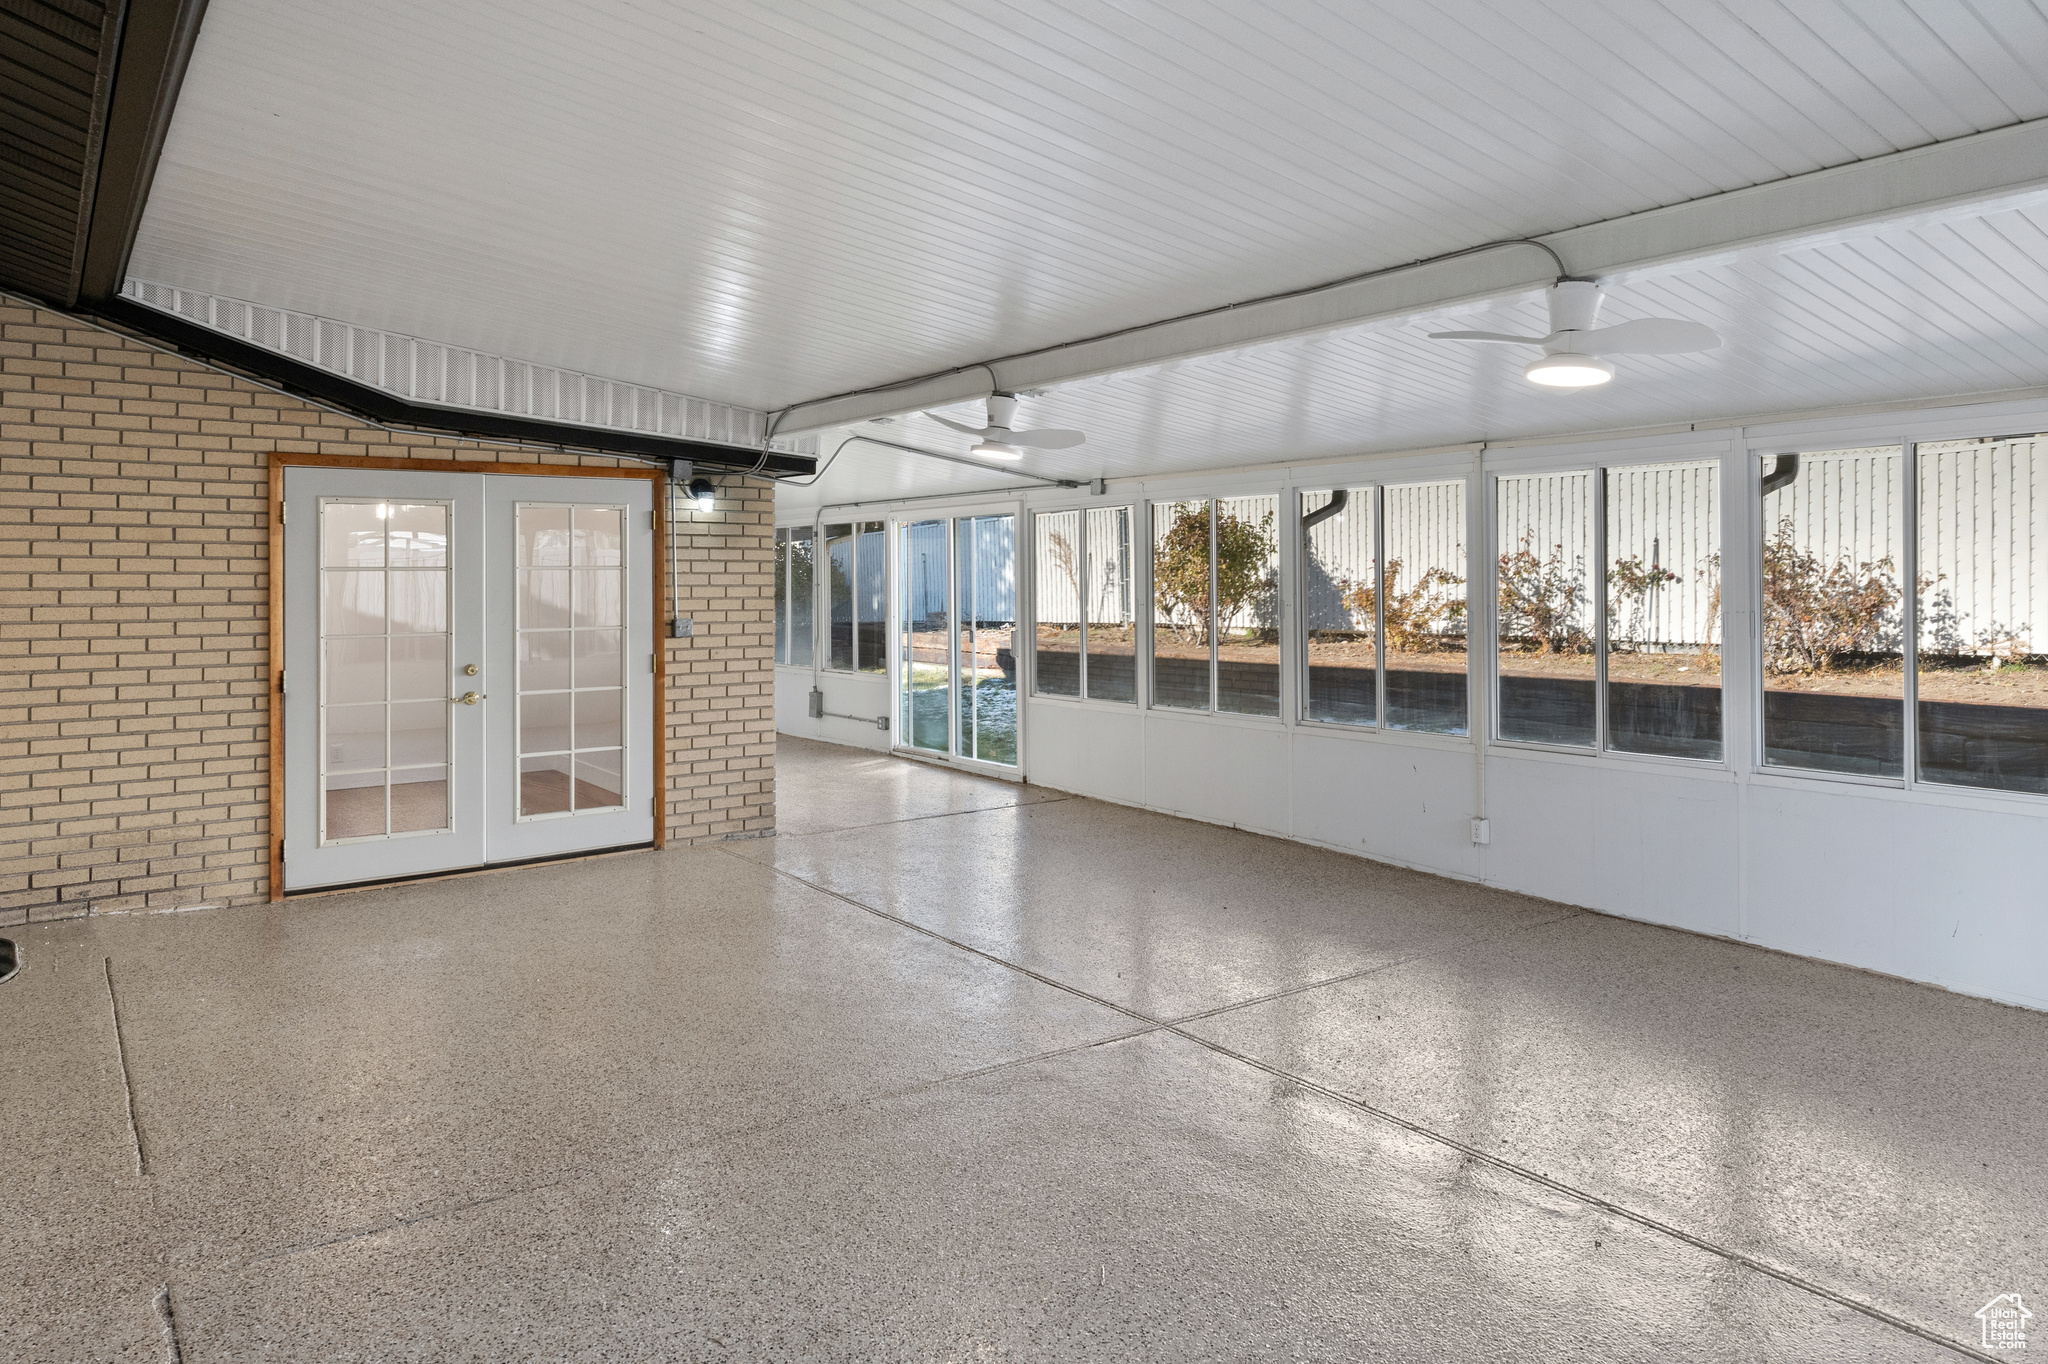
(860,694)
(1951,895)
(1217,771)
(1405,803)
(1095,750)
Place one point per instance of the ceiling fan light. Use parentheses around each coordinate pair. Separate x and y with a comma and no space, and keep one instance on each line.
(995,449)
(1568,371)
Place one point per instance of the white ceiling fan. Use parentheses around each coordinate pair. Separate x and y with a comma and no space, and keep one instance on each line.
(998,441)
(1573,350)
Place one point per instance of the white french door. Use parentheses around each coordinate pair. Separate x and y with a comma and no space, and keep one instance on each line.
(468,670)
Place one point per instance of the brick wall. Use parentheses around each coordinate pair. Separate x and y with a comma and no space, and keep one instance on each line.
(134,697)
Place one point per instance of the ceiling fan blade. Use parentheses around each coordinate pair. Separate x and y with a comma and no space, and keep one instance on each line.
(1646,336)
(1051,438)
(1488,336)
(957,426)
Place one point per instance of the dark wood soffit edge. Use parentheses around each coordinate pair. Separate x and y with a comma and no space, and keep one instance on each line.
(324,388)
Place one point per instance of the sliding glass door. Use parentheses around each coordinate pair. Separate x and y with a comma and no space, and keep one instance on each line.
(956,660)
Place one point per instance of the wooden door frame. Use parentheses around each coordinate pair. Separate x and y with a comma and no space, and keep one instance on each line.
(275,510)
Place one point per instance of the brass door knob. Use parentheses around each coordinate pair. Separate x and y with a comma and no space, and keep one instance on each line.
(468,698)
(469,670)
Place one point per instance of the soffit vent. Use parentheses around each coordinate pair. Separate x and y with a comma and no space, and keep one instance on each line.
(451,376)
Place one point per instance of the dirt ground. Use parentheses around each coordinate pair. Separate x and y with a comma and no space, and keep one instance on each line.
(1969,681)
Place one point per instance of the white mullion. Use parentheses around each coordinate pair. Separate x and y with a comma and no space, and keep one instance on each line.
(1909,613)
(1379,606)
(1599,609)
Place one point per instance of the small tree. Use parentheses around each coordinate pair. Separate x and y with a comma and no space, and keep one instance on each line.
(1630,583)
(1816,614)
(1180,568)
(1544,600)
(1068,563)
(1420,619)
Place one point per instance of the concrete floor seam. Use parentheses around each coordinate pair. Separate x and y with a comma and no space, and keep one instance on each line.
(1581,1196)
(918,819)
(725,1134)
(1363,973)
(127,1084)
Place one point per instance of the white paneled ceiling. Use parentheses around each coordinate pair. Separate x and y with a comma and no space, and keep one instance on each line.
(1944,306)
(773,200)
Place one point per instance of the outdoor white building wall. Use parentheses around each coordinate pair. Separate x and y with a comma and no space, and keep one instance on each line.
(1938,884)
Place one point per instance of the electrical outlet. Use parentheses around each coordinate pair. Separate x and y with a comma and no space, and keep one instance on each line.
(334,753)
(1482,832)
(681,629)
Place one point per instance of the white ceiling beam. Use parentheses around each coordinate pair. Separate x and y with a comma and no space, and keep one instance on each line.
(1943,176)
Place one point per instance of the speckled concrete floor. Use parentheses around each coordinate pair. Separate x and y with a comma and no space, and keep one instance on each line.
(957,1069)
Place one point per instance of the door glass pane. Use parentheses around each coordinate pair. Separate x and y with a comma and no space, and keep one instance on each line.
(595,599)
(1248,606)
(600,779)
(598,660)
(1181,585)
(924,686)
(354,806)
(570,687)
(1112,635)
(352,534)
(987,594)
(839,596)
(1664,610)
(1056,648)
(544,785)
(1543,524)
(419,733)
(383,668)
(871,601)
(543,537)
(544,659)
(355,670)
(419,799)
(1338,592)
(596,540)
(1983,648)
(419,668)
(418,535)
(1834,672)
(1423,529)
(802,597)
(544,597)
(352,602)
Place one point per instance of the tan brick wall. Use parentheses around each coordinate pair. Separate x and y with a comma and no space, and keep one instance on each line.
(721,692)
(134,698)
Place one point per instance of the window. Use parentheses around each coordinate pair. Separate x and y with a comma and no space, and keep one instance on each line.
(1111,642)
(1982,677)
(1181,585)
(1215,587)
(856,561)
(1056,643)
(924,651)
(1545,630)
(1610,639)
(1340,581)
(795,596)
(1832,566)
(1423,616)
(1662,598)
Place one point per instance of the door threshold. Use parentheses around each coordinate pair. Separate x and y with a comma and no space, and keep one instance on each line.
(450,874)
